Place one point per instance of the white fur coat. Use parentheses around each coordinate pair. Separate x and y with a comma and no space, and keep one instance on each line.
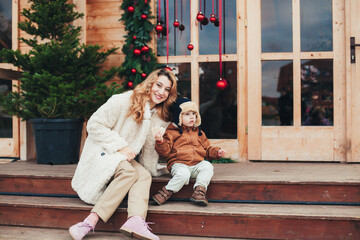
(108,131)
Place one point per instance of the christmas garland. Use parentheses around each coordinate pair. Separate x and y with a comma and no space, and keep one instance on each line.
(140,59)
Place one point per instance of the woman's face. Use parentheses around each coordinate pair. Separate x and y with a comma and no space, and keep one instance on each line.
(160,90)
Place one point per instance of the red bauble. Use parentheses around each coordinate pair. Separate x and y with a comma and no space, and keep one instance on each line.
(134,37)
(143,75)
(145,49)
(200,17)
(146,1)
(212,18)
(168,68)
(159,28)
(221,84)
(137,52)
(143,16)
(133,70)
(176,23)
(131,9)
(130,84)
(190,47)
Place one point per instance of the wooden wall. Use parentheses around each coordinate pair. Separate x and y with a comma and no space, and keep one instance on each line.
(104,28)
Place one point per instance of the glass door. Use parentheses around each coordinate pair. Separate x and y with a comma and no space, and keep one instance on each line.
(198,70)
(296,83)
(9,125)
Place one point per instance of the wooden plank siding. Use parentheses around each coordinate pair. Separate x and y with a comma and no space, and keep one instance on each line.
(104,28)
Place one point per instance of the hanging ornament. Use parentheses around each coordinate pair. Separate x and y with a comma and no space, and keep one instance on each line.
(200,17)
(143,75)
(159,28)
(205,21)
(130,84)
(176,23)
(133,70)
(137,52)
(131,9)
(145,49)
(143,16)
(182,27)
(212,18)
(168,68)
(164,31)
(221,84)
(190,47)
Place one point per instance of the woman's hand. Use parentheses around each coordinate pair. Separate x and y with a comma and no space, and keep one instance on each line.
(221,152)
(128,152)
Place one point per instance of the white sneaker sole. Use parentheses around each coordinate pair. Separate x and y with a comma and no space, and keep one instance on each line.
(131,234)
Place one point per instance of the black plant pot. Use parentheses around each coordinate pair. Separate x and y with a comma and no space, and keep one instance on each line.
(57,141)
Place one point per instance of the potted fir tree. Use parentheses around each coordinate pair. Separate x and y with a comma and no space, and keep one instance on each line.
(61,84)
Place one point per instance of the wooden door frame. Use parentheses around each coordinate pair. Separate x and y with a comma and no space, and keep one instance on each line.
(10,147)
(334,150)
(352,11)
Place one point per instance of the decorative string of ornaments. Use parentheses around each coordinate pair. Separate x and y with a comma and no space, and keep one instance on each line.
(221,84)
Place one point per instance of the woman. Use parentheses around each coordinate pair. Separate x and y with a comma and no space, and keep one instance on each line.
(117,132)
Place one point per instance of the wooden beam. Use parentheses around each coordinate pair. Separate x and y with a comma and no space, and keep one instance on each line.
(9,74)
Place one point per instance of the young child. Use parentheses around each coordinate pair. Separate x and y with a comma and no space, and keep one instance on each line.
(185,147)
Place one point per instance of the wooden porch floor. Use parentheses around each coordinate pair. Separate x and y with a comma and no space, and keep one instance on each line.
(238,172)
(257,200)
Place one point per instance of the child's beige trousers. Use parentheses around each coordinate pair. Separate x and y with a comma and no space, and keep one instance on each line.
(132,178)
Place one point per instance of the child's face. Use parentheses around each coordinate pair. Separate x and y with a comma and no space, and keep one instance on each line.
(188,118)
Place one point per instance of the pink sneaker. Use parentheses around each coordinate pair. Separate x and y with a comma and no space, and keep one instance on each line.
(137,227)
(79,230)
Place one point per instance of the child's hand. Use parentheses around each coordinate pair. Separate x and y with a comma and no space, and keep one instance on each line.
(221,152)
(158,133)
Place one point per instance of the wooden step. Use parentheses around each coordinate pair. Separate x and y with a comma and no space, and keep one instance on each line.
(239,182)
(227,220)
(30,233)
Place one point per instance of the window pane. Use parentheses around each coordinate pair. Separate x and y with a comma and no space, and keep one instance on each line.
(276,26)
(316,25)
(218,108)
(178,40)
(5,24)
(183,74)
(5,119)
(277,93)
(317,92)
(209,34)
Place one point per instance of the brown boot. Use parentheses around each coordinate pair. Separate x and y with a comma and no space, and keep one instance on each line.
(162,196)
(199,196)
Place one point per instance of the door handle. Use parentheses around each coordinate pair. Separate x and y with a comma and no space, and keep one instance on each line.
(352,49)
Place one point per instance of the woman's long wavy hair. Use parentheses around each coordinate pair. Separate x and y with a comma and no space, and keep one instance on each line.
(141,96)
